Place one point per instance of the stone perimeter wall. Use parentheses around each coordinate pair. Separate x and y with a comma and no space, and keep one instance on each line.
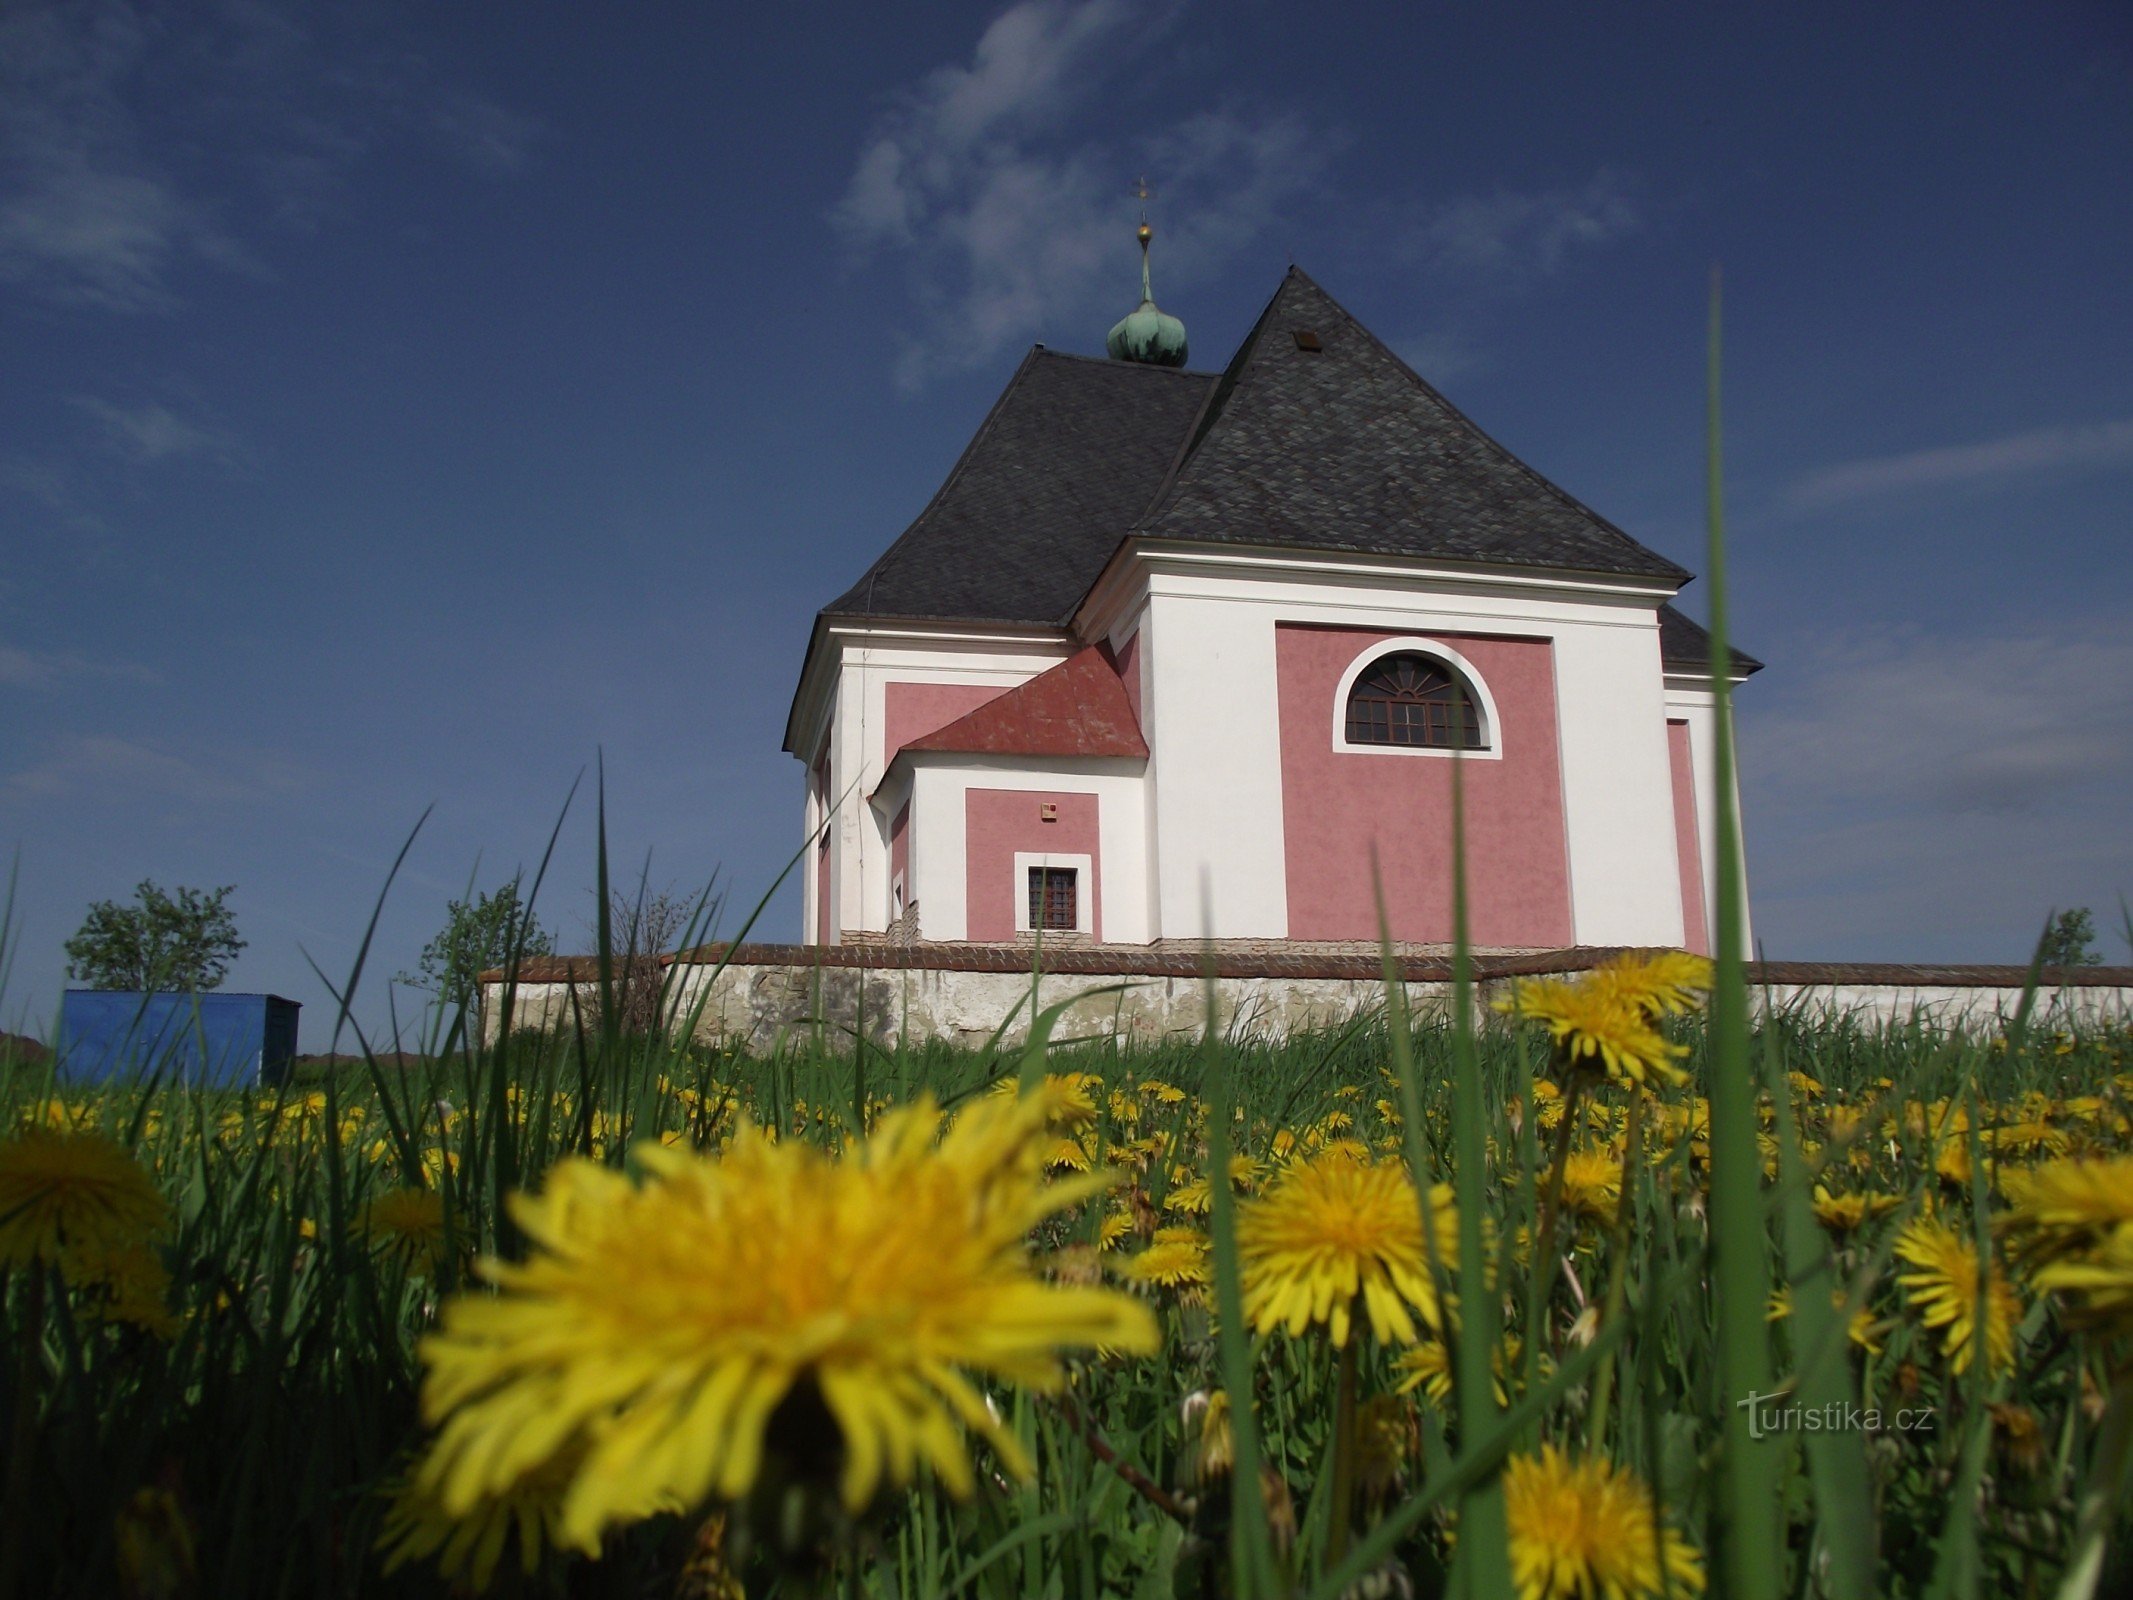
(767,993)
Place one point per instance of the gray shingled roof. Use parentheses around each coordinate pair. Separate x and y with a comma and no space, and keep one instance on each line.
(1684,644)
(1343,447)
(1070,455)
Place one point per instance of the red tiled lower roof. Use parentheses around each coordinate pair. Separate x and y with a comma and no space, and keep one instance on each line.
(1078,708)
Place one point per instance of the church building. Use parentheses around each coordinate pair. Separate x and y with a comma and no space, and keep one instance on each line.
(1180,655)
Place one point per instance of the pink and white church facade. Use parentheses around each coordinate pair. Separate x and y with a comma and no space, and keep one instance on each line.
(1178,655)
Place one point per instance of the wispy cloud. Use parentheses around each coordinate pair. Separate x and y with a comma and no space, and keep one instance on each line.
(1012,219)
(127,137)
(151,432)
(1940,794)
(488,137)
(101,767)
(43,669)
(1517,235)
(1990,460)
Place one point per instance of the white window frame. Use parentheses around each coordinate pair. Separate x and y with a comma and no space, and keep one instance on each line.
(1491,723)
(1084,868)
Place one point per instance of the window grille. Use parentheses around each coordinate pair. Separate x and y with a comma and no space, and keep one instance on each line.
(1053,899)
(1412,700)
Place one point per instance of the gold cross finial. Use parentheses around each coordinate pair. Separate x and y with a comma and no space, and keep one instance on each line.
(1144,194)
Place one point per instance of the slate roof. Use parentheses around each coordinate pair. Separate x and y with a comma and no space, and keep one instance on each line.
(1343,447)
(1078,708)
(1338,448)
(1068,458)
(1684,645)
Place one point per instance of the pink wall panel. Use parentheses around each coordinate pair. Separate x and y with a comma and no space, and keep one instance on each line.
(1001,822)
(1337,805)
(1688,840)
(913,710)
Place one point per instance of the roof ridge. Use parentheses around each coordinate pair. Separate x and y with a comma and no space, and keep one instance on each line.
(887,558)
(1204,419)
(1121,366)
(1481,433)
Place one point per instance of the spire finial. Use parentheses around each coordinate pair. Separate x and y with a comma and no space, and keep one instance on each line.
(1147,336)
(1144,194)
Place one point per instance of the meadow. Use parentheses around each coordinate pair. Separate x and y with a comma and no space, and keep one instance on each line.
(1620,1292)
(933,1322)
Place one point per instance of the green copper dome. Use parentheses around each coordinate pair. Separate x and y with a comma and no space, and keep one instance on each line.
(1148,335)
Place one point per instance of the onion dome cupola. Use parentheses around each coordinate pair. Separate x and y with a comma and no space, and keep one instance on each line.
(1147,335)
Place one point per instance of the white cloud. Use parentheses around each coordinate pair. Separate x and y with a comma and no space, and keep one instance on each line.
(1526,234)
(152,432)
(489,137)
(97,766)
(2019,454)
(40,669)
(1011,222)
(125,136)
(1934,797)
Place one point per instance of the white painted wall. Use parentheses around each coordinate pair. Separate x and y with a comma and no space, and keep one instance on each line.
(1690,700)
(940,860)
(1211,716)
(862,661)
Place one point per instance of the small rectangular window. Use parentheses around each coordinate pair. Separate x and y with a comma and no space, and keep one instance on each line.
(1053,899)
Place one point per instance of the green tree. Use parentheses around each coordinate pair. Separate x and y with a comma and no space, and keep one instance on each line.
(479,935)
(2070,940)
(182,942)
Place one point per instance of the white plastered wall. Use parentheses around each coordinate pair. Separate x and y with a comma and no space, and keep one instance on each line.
(1690,700)
(939,869)
(1211,715)
(863,663)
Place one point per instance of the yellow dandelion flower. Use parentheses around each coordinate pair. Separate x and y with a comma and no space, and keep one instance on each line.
(1595,1029)
(1068,1098)
(524,1520)
(1592,1183)
(2073,1221)
(409,1221)
(2030,1137)
(1334,1230)
(1388,1435)
(1586,1530)
(1944,1291)
(1114,1230)
(1194,1197)
(1860,1327)
(1212,1451)
(1660,985)
(68,1192)
(1067,1155)
(2065,1207)
(1847,1213)
(153,1545)
(774,1303)
(1428,1367)
(1176,1258)
(127,1285)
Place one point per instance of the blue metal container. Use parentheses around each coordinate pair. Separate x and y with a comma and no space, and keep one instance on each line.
(207,1041)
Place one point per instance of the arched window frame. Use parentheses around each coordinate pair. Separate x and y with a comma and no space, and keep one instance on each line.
(1452,661)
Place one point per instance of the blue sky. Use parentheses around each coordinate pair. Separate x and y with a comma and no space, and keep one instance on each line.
(400,405)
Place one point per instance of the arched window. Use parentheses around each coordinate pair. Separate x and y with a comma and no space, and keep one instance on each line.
(1413,701)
